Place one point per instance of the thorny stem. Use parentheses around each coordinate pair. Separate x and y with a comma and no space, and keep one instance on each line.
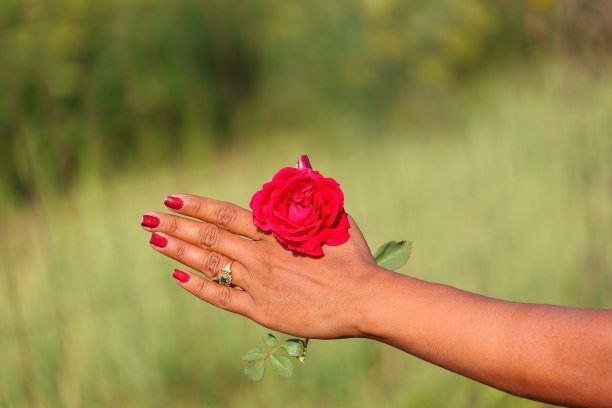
(303,356)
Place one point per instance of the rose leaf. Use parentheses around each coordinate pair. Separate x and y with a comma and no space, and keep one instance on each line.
(254,354)
(270,340)
(393,255)
(255,369)
(293,347)
(282,365)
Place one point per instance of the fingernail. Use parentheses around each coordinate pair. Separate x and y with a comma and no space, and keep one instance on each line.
(158,241)
(149,221)
(180,276)
(173,202)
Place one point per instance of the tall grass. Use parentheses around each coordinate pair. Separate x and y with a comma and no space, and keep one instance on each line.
(512,198)
(94,87)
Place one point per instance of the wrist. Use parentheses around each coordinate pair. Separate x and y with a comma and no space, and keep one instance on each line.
(397,306)
(373,315)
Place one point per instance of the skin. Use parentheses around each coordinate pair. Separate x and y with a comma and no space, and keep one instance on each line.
(552,354)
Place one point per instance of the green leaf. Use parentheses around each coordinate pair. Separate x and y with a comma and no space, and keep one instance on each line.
(255,369)
(293,347)
(270,340)
(254,354)
(393,255)
(282,365)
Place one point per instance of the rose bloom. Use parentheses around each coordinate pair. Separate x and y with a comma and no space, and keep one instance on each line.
(303,209)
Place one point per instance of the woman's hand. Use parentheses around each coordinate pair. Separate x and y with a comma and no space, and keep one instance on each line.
(324,297)
(547,353)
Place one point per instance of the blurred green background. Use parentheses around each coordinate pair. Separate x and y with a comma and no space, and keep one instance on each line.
(480,130)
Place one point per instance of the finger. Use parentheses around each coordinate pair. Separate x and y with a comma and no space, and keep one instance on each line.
(225,215)
(202,260)
(202,234)
(221,296)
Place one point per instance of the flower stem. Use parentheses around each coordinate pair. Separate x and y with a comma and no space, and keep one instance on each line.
(305,343)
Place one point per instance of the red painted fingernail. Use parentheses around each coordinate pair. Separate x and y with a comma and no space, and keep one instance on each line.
(180,276)
(173,202)
(158,241)
(149,221)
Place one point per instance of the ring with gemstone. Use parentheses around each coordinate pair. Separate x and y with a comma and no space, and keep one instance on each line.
(225,277)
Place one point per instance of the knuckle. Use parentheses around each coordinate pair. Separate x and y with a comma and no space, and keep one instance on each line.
(208,235)
(212,263)
(173,226)
(201,288)
(196,206)
(180,249)
(225,296)
(259,234)
(226,214)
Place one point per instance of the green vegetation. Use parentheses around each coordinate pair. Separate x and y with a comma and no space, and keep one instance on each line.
(510,198)
(94,89)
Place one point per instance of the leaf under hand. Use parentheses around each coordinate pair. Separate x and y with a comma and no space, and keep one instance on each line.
(270,340)
(393,255)
(293,347)
(255,369)
(282,365)
(254,354)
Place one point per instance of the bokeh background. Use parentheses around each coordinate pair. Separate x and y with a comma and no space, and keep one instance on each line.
(481,131)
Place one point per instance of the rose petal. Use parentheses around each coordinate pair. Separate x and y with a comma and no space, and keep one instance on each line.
(318,251)
(284,174)
(341,234)
(297,213)
(318,239)
(303,209)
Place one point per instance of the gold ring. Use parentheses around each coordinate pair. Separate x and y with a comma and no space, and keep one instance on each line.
(225,277)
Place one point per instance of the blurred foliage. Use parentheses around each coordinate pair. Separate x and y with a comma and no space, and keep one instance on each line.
(517,205)
(96,87)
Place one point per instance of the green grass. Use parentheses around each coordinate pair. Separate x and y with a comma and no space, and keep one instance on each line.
(512,199)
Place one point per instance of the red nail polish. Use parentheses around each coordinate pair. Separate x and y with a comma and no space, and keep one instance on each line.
(180,276)
(158,241)
(149,221)
(173,202)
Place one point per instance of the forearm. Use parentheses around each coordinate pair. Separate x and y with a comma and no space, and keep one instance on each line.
(554,354)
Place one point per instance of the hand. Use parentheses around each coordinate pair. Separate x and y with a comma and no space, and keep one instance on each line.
(548,353)
(324,297)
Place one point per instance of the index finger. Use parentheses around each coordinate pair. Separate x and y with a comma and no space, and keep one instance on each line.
(225,215)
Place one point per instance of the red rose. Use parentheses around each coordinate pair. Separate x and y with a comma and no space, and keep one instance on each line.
(303,209)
